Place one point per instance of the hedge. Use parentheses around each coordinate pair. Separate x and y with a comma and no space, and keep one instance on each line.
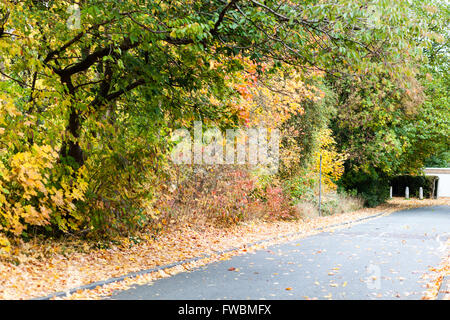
(399,184)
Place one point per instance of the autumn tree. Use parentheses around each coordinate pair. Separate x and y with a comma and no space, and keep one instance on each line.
(102,83)
(389,123)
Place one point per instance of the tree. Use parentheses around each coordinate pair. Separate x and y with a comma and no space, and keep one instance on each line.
(389,124)
(106,95)
(164,49)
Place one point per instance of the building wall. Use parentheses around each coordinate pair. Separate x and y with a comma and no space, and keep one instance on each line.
(444,180)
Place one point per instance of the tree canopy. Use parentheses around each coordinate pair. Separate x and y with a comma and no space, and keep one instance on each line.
(90,91)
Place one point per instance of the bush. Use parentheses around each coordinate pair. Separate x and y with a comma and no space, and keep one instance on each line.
(370,186)
(302,186)
(278,204)
(223,196)
(37,191)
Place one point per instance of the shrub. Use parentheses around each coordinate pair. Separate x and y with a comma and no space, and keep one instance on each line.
(36,191)
(278,204)
(223,196)
(370,185)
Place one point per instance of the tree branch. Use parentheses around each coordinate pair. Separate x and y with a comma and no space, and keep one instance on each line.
(214,31)
(128,88)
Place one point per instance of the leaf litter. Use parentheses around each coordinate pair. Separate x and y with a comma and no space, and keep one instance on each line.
(42,267)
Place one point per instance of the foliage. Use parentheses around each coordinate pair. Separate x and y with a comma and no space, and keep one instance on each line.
(33,191)
(87,106)
(441,160)
(332,161)
(302,132)
(390,124)
(222,196)
(371,185)
(434,124)
(304,185)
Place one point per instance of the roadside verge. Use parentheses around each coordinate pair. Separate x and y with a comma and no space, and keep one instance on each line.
(53,270)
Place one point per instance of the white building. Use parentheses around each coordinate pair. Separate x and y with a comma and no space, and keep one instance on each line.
(443,184)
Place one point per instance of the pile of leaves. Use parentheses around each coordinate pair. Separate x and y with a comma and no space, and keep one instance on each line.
(38,268)
(435,278)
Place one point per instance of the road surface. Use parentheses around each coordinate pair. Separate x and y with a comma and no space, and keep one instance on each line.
(383,258)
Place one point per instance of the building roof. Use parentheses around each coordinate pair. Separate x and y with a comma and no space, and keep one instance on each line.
(436,170)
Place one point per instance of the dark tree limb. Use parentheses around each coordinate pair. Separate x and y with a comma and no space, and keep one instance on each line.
(214,31)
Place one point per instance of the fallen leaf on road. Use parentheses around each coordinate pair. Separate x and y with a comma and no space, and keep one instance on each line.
(79,263)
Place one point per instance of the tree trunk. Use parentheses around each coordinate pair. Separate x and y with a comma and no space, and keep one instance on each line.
(69,147)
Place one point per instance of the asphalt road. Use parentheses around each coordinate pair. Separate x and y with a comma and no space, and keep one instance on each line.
(383,258)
